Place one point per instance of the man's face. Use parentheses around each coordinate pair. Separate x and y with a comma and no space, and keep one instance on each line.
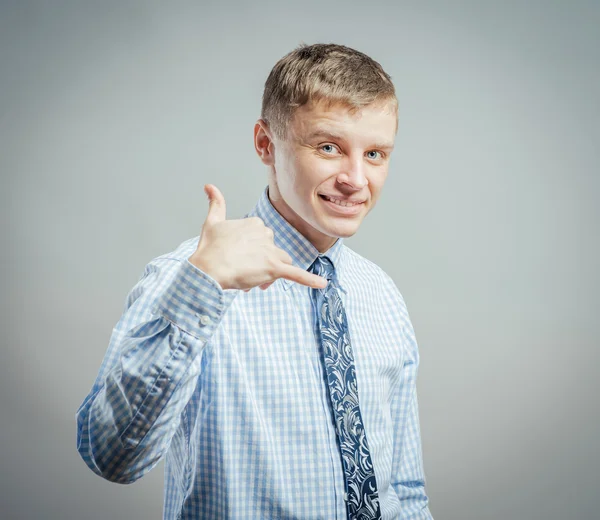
(331,152)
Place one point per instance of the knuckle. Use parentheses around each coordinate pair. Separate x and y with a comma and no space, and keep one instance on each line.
(272,267)
(272,261)
(283,256)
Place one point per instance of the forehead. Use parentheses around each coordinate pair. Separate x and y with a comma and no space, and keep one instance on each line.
(377,121)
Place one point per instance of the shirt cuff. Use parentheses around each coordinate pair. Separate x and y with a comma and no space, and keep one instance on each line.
(195,302)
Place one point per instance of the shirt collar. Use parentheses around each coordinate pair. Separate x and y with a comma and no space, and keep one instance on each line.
(288,238)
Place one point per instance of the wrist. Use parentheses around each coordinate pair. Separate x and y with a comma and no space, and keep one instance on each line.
(201,264)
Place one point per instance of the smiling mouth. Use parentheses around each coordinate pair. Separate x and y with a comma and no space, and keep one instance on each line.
(342,203)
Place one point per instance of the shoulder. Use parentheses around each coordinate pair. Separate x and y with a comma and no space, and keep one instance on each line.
(377,285)
(357,267)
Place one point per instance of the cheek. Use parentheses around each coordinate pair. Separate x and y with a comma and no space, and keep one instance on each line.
(310,172)
(285,172)
(319,170)
(377,180)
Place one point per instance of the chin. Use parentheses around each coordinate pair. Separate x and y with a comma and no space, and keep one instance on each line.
(340,231)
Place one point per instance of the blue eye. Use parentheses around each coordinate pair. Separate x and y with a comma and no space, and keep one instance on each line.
(373,152)
(328,148)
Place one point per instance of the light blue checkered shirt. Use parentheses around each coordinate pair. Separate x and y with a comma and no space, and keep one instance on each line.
(229,386)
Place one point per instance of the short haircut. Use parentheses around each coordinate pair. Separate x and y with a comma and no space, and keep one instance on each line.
(323,72)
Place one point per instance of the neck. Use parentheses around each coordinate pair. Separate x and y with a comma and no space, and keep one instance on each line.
(319,240)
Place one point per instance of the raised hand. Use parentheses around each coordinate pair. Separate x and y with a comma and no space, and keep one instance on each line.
(241,254)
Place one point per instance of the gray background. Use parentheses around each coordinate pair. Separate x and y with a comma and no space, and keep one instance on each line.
(115,114)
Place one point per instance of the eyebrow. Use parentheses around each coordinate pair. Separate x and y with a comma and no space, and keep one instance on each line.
(336,137)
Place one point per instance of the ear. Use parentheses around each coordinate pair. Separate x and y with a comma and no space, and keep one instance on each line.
(263,142)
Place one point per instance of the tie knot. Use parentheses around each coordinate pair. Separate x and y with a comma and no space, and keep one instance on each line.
(322,266)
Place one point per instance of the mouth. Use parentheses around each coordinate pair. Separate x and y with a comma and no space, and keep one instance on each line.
(340,206)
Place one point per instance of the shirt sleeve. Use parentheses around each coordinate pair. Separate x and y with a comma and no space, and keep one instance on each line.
(408,477)
(149,372)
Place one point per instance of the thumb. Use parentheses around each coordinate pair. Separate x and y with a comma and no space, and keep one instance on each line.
(216,204)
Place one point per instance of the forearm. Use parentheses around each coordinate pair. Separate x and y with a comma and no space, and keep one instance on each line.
(125,425)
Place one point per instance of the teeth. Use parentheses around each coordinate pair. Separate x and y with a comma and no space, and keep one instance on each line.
(341,202)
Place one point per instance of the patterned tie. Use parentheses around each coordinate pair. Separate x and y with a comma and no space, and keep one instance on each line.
(362,500)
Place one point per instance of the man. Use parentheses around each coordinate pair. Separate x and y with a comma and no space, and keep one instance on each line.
(272,366)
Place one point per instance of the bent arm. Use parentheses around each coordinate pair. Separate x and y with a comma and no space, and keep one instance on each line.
(149,373)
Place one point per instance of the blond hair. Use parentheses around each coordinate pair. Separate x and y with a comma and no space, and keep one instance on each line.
(323,72)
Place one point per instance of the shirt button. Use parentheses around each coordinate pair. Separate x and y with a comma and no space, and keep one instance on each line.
(345,497)
(204,320)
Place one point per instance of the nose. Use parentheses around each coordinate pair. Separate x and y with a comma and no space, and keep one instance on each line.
(353,173)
